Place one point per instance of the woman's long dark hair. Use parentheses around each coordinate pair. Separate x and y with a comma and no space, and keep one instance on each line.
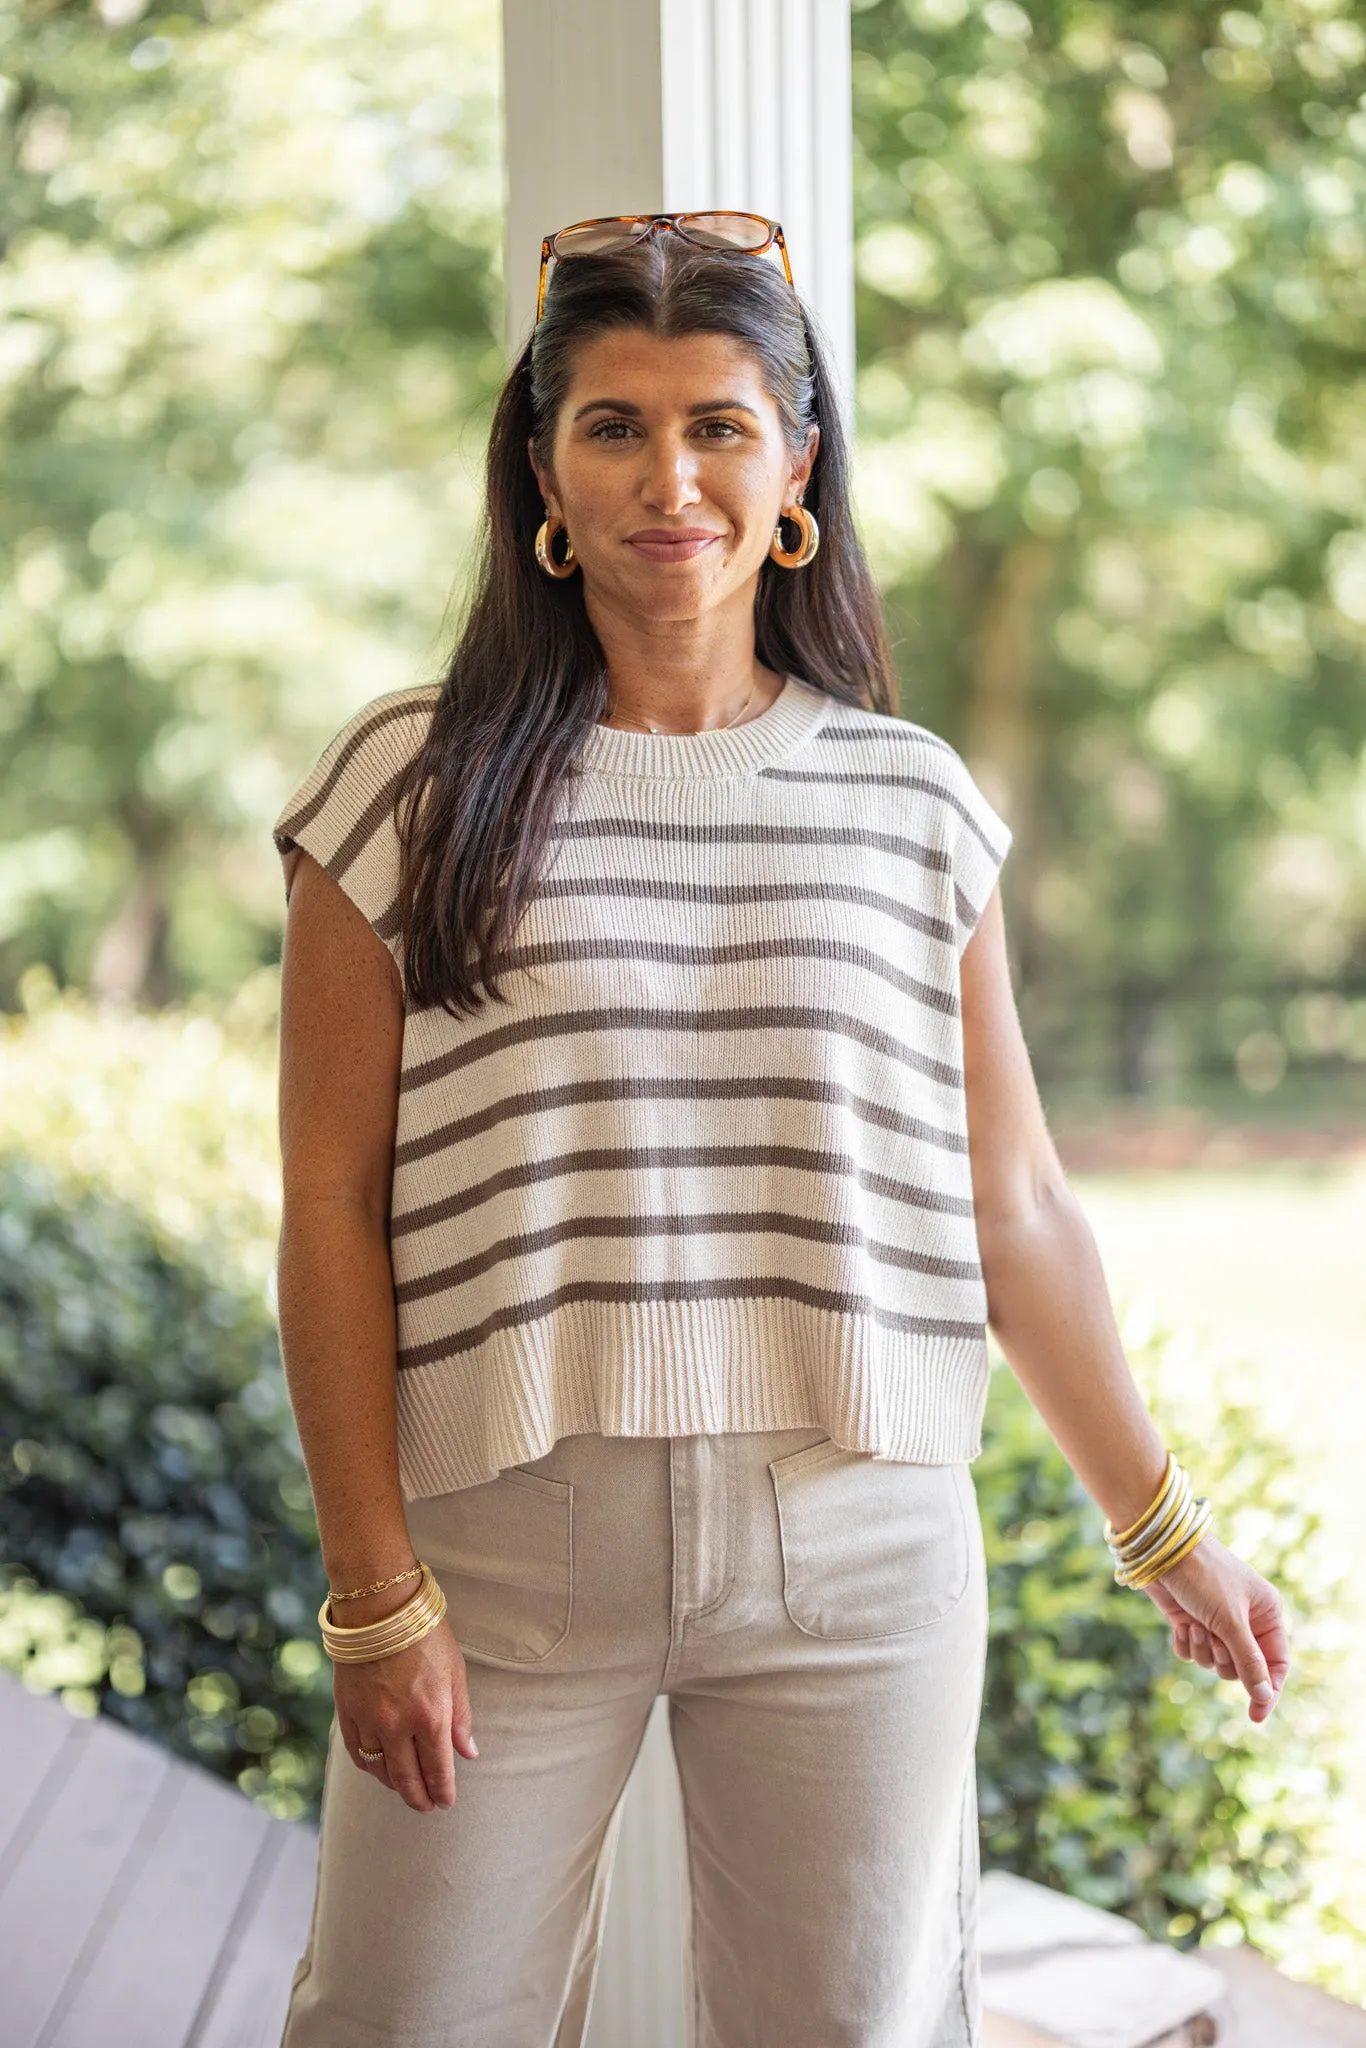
(528,678)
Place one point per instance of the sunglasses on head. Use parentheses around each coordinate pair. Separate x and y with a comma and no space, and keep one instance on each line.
(727,234)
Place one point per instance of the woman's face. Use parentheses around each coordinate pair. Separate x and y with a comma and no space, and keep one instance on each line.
(669,470)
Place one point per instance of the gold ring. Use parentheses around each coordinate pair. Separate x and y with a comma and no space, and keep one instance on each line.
(372,1756)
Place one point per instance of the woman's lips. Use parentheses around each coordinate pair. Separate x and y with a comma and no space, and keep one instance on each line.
(680,549)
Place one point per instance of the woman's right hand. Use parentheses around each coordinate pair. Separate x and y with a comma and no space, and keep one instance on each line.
(415,1706)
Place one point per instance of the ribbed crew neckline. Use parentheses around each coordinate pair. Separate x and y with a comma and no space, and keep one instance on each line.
(790,719)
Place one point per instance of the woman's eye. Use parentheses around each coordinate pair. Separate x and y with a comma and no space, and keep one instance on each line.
(605,430)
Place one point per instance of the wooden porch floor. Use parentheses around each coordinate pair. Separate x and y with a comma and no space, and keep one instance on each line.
(143,1904)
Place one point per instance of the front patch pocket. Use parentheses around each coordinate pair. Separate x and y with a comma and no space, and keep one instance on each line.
(503,1552)
(870,1547)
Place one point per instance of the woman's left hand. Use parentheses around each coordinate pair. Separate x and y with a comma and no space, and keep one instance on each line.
(1227,1617)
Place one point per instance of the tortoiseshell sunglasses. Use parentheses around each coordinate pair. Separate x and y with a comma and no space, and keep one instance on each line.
(735,234)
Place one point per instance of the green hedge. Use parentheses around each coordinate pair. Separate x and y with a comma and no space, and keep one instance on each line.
(149,1470)
(1107,1767)
(163,1568)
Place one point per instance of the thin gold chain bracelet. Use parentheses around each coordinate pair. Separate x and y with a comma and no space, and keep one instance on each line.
(380,1585)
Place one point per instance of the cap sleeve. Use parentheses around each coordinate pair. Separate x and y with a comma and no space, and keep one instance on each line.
(343,811)
(979,840)
(972,839)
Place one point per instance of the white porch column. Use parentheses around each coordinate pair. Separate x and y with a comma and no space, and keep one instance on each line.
(632,106)
(627,106)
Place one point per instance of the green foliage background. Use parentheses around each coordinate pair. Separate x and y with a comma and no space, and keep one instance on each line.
(151,1472)
(248,332)
(1112,341)
(1105,1767)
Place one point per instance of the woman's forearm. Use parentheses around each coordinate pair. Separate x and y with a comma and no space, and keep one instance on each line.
(1049,1308)
(337,1331)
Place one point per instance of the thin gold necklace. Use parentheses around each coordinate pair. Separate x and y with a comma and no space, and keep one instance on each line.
(681,732)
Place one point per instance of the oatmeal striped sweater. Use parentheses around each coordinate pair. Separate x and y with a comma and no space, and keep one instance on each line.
(709,1170)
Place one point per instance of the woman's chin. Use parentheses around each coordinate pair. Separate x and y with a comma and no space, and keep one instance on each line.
(674,590)
(659,594)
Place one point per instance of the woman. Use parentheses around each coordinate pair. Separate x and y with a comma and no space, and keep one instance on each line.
(658,1139)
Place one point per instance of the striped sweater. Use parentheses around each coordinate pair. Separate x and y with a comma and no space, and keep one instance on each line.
(709,1169)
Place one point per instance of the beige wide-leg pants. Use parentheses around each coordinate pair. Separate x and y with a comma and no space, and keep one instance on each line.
(817,1618)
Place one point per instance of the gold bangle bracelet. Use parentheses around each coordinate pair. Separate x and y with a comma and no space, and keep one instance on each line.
(415,1625)
(1164,1565)
(426,1599)
(1160,1532)
(349,1647)
(1118,1538)
(408,1624)
(1169,1564)
(1127,1572)
(418,1622)
(1173,1552)
(1157,1517)
(1131,1567)
(1193,1542)
(1130,1575)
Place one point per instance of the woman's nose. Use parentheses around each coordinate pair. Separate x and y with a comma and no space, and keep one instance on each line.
(671,479)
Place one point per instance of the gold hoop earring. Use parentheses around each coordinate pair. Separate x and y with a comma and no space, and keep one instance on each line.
(545,550)
(811,539)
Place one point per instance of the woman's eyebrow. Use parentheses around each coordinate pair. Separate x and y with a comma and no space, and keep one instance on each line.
(634,411)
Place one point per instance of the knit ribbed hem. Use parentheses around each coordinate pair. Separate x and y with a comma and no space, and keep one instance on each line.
(790,720)
(689,1368)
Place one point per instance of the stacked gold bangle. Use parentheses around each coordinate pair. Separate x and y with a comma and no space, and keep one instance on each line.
(407,1625)
(1165,1533)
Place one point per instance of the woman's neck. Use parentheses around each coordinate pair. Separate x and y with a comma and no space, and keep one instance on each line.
(682,675)
(655,708)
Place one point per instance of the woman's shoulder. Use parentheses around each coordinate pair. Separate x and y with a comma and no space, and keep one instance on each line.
(362,761)
(896,743)
(918,775)
(385,733)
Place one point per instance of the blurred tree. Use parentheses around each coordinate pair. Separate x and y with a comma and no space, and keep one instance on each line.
(1111,310)
(249,319)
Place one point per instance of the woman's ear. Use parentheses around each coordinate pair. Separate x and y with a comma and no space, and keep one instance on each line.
(801,471)
(544,484)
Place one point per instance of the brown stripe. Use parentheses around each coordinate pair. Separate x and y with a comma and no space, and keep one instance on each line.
(660,832)
(666,1088)
(551,951)
(367,824)
(635,1158)
(748,892)
(641,1017)
(917,782)
(902,731)
(704,1223)
(518,1314)
(968,913)
(642,889)
(389,922)
(305,816)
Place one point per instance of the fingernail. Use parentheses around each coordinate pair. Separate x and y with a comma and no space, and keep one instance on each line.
(1262,1693)
(474,1747)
